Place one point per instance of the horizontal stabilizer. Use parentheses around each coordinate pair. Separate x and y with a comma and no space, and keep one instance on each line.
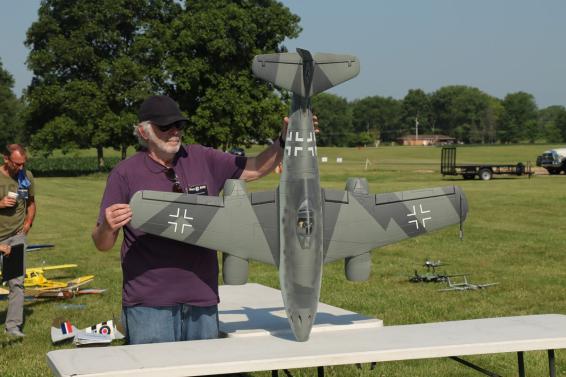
(285,70)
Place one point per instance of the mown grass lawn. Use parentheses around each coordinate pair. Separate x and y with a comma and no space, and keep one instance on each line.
(514,235)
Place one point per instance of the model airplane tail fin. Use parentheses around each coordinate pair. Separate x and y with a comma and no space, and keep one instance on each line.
(305,74)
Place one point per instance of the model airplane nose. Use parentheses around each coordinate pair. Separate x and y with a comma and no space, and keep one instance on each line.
(301,321)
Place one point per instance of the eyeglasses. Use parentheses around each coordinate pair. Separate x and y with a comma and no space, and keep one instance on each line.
(180,124)
(17,165)
(172,176)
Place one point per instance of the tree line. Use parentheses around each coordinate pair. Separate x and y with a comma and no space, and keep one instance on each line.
(464,113)
(94,61)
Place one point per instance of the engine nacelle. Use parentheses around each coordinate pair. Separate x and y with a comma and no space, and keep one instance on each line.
(358,268)
(357,185)
(234,270)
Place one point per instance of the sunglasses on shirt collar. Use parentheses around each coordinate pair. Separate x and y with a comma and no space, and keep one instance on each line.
(180,124)
(172,176)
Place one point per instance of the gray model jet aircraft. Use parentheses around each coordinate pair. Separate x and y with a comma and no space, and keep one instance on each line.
(299,226)
(465,285)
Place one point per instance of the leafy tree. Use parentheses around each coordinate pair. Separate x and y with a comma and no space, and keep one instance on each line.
(417,105)
(93,62)
(561,124)
(335,113)
(365,139)
(459,111)
(209,64)
(489,120)
(519,118)
(379,116)
(552,124)
(9,107)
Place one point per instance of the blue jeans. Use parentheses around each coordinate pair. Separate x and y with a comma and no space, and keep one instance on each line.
(145,324)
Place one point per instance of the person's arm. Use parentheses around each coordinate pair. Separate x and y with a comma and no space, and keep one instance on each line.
(30,214)
(263,163)
(105,234)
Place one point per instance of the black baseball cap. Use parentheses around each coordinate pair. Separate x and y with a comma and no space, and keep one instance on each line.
(161,110)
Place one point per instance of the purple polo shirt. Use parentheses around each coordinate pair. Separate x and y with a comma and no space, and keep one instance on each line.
(158,271)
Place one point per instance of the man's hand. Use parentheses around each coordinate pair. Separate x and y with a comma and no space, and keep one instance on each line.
(286,124)
(315,123)
(105,234)
(5,249)
(116,216)
(7,202)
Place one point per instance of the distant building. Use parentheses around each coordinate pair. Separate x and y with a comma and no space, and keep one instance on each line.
(426,140)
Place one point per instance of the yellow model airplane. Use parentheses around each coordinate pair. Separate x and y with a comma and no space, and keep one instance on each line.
(37,285)
(35,276)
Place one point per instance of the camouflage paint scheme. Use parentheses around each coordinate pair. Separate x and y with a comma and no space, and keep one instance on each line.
(300,226)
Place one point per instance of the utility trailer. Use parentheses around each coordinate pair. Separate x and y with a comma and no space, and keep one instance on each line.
(484,171)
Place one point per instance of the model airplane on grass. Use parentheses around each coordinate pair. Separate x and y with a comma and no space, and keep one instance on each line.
(35,276)
(299,226)
(432,264)
(430,276)
(38,286)
(465,286)
(101,333)
(41,246)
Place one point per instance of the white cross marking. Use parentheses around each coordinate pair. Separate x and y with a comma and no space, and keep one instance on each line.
(187,224)
(416,221)
(295,150)
(175,223)
(426,218)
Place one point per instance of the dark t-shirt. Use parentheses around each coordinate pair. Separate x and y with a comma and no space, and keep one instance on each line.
(158,271)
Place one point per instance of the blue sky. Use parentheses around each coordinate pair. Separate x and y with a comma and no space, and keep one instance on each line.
(498,46)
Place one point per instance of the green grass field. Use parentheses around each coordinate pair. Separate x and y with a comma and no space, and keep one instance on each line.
(514,235)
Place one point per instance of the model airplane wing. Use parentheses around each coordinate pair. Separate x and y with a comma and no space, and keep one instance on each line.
(481,286)
(355,223)
(101,333)
(240,224)
(39,246)
(59,289)
(452,289)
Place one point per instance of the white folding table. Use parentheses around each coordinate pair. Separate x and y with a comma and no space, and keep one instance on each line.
(258,338)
